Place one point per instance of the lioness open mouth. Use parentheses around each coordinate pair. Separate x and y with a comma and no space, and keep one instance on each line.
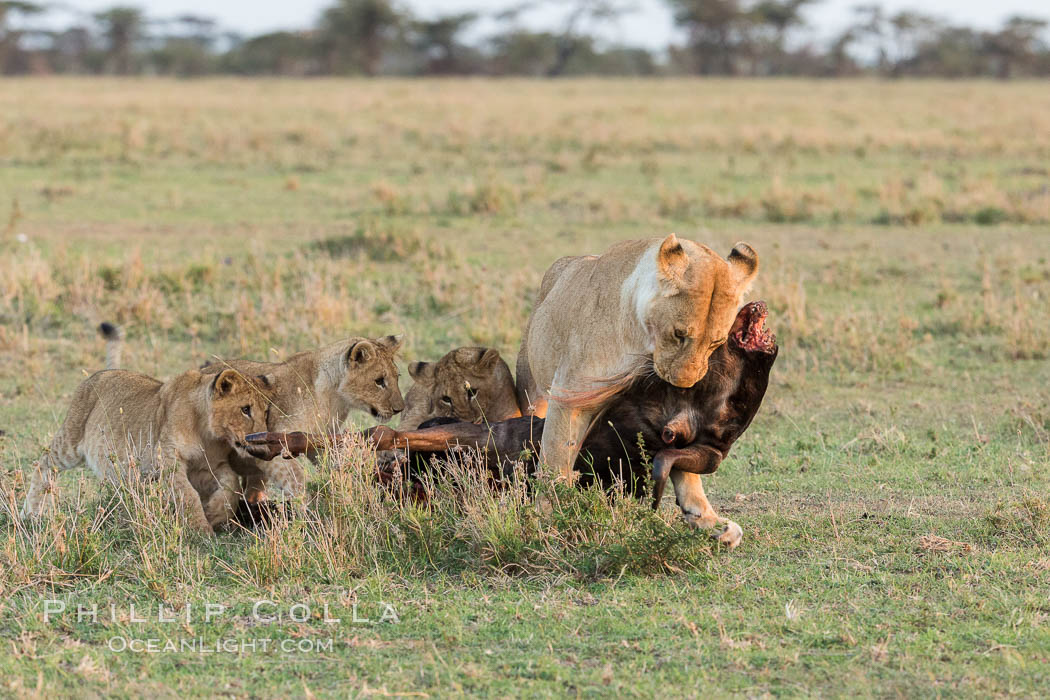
(749,332)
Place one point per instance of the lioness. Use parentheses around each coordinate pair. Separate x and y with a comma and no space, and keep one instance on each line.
(470,384)
(316,390)
(597,317)
(123,424)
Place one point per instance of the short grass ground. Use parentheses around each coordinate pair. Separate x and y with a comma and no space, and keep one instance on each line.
(893,490)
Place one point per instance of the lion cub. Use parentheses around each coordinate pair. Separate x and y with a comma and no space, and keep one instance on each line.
(315,392)
(468,384)
(125,424)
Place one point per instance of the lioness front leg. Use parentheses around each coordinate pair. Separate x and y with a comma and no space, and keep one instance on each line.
(563,434)
(697,510)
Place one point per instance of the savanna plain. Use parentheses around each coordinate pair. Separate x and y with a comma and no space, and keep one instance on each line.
(893,489)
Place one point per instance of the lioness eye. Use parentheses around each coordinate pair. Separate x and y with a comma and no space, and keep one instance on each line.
(471,394)
(718,343)
(446,400)
(246,410)
(680,333)
(381,383)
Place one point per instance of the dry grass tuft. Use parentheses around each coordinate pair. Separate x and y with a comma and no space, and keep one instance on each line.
(936,543)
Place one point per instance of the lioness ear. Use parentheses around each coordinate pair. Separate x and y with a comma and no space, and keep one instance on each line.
(361,351)
(672,259)
(225,382)
(420,370)
(743,266)
(267,380)
(391,342)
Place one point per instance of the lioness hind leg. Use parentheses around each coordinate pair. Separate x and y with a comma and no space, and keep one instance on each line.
(697,510)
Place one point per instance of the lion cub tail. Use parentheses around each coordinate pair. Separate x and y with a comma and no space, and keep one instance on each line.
(114,337)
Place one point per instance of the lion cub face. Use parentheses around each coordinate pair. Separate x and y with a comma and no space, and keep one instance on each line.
(469,384)
(369,382)
(238,406)
(695,305)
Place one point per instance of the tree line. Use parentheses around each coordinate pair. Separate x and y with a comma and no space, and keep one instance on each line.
(381,37)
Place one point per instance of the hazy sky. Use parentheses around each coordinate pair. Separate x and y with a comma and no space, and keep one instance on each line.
(650,26)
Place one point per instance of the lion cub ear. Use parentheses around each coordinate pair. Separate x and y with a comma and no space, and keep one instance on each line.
(743,266)
(391,342)
(487,358)
(672,259)
(421,371)
(226,382)
(361,351)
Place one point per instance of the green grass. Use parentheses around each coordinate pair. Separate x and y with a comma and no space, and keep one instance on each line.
(905,251)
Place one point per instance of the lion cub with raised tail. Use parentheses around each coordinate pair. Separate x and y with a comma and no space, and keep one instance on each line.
(125,425)
(315,392)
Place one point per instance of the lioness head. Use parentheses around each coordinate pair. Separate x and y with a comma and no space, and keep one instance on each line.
(718,408)
(238,406)
(369,382)
(694,300)
(469,384)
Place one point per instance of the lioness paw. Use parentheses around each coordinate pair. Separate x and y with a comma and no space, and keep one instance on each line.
(725,531)
(730,535)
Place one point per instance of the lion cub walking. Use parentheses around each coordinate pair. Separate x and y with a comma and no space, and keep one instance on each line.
(126,425)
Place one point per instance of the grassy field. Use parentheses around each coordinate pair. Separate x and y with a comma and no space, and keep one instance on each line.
(893,490)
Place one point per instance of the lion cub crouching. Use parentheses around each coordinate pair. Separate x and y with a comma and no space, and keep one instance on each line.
(126,425)
(315,392)
(470,384)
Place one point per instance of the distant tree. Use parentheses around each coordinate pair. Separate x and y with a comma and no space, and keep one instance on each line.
(354,34)
(718,30)
(569,42)
(571,38)
(1015,46)
(872,25)
(954,52)
(437,41)
(9,37)
(839,60)
(122,27)
(910,31)
(185,48)
(520,52)
(73,50)
(781,16)
(774,19)
(278,53)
